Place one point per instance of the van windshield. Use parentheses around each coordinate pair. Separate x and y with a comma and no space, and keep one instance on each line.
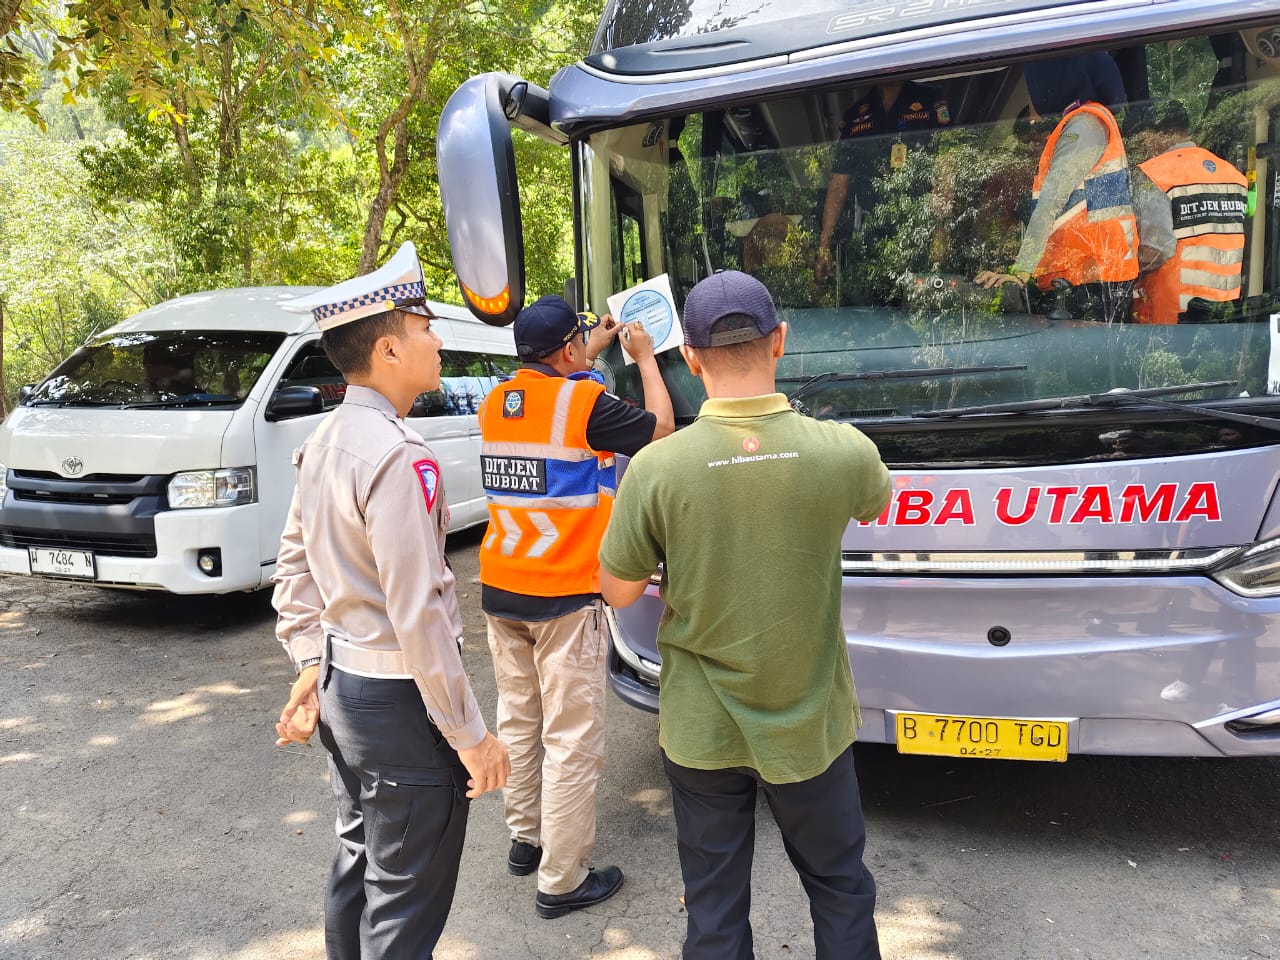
(172,369)
(995,236)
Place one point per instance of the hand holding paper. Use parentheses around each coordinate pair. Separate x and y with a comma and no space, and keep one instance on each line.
(651,305)
(602,334)
(636,341)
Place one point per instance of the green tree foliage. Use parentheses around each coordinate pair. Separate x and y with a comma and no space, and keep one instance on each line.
(395,87)
(66,268)
(269,141)
(25,27)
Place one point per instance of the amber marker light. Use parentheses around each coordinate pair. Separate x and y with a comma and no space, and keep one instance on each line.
(494,306)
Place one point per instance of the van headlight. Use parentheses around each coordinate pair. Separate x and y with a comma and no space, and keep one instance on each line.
(1253,573)
(4,482)
(212,488)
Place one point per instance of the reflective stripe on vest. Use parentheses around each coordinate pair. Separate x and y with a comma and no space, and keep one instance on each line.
(549,494)
(1094,237)
(1207,198)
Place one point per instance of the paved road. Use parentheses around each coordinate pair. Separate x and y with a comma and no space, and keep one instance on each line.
(147,815)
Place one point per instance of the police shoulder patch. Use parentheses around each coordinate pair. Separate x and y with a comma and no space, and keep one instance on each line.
(513,404)
(429,476)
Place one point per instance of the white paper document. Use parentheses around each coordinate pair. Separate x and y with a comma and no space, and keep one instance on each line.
(652,304)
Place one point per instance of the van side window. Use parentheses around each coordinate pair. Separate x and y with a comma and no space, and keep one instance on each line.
(465,379)
(310,367)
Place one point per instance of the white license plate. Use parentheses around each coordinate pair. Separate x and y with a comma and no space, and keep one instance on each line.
(62,563)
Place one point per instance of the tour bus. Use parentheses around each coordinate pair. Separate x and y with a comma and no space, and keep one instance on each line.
(159,456)
(1082,550)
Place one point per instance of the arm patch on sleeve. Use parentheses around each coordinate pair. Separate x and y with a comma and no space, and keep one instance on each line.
(429,477)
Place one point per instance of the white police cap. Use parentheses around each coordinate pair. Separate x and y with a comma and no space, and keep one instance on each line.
(396,285)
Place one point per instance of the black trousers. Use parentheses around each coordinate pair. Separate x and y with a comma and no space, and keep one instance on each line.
(402,817)
(823,833)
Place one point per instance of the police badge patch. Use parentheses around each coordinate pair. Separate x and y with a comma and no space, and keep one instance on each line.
(513,405)
(429,476)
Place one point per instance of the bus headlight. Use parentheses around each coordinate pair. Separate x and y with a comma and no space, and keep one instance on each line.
(1254,573)
(212,488)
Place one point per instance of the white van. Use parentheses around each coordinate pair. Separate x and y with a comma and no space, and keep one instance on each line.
(158,456)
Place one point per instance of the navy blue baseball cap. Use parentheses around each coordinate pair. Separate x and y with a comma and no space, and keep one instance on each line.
(724,294)
(548,324)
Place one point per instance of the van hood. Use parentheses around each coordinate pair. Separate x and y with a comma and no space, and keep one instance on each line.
(75,442)
(1174,503)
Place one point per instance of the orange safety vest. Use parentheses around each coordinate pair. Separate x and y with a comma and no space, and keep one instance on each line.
(1208,197)
(549,493)
(1094,237)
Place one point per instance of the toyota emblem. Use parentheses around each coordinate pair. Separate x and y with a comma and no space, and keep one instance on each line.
(72,466)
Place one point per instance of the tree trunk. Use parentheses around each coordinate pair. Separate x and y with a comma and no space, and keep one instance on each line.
(392,174)
(389,181)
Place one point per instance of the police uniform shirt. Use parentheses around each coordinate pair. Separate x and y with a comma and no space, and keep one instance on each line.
(917,110)
(362,557)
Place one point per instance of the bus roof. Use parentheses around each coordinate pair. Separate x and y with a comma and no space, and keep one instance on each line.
(644,66)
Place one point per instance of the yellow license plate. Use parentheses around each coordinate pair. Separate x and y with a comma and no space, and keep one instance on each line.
(989,738)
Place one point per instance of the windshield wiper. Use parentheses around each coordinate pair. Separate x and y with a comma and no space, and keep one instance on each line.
(911,373)
(74,402)
(1095,401)
(182,402)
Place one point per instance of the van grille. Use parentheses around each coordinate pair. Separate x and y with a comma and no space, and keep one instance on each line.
(88,478)
(57,496)
(103,544)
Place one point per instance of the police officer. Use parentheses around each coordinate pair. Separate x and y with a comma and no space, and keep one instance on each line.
(549,438)
(904,111)
(368,614)
(1190,207)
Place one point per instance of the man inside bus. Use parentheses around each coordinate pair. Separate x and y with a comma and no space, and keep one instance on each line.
(908,109)
(1190,207)
(167,371)
(1082,230)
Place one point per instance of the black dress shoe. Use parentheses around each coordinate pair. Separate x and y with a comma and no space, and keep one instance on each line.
(599,886)
(523,858)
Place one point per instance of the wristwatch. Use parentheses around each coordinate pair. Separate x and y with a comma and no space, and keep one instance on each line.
(309,662)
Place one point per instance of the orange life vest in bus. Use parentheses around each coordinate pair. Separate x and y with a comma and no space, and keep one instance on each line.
(1207,196)
(549,493)
(1094,237)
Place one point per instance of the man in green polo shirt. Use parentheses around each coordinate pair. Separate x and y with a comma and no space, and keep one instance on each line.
(745,509)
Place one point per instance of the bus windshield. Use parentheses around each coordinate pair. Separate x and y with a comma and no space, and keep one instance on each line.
(1094,223)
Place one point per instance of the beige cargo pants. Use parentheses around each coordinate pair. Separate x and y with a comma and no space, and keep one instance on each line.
(551,696)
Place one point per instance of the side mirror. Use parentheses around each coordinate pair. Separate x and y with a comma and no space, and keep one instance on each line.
(290,402)
(24,391)
(476,167)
